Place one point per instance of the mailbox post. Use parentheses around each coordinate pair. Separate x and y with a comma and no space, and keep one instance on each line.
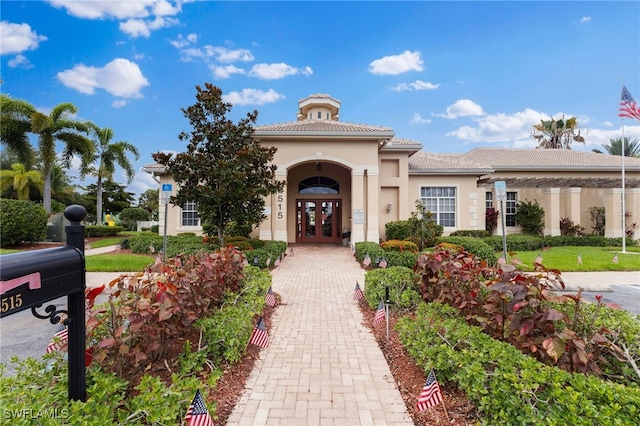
(29,279)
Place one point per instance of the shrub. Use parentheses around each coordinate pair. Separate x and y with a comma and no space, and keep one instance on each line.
(567,227)
(515,242)
(267,255)
(491,216)
(476,233)
(475,246)
(397,245)
(402,284)
(530,217)
(398,230)
(155,228)
(423,229)
(598,220)
(22,222)
(368,248)
(102,230)
(396,258)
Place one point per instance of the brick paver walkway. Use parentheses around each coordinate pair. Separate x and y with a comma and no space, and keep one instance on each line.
(323,366)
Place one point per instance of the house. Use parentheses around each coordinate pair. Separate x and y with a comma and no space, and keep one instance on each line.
(350,179)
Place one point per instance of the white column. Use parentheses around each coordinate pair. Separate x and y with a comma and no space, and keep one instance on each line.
(613,212)
(552,211)
(373,206)
(279,210)
(357,205)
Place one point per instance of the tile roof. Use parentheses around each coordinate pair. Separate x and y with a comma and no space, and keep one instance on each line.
(321,128)
(424,162)
(404,142)
(546,159)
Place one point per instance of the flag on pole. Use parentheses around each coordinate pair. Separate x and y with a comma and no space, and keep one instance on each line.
(538,259)
(197,414)
(579,260)
(431,394)
(615,259)
(628,107)
(260,337)
(380,314)
(270,298)
(383,263)
(357,293)
(367,260)
(59,339)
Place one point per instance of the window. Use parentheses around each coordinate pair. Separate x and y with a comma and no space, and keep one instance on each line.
(319,114)
(488,200)
(441,201)
(510,209)
(318,185)
(190,214)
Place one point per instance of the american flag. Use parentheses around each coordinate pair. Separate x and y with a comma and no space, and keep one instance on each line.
(367,260)
(628,107)
(270,298)
(431,394)
(579,260)
(59,339)
(260,337)
(615,259)
(357,293)
(380,314)
(383,263)
(197,414)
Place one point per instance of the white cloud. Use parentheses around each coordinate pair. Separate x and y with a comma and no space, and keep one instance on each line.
(277,71)
(253,97)
(141,182)
(397,64)
(119,103)
(416,85)
(462,108)
(119,77)
(585,19)
(183,42)
(19,61)
(140,17)
(222,72)
(189,52)
(16,38)
(502,128)
(417,118)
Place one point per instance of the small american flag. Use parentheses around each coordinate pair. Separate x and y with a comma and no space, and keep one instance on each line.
(538,259)
(579,260)
(197,414)
(431,394)
(357,293)
(628,107)
(260,337)
(380,314)
(615,259)
(270,298)
(367,260)
(59,339)
(383,263)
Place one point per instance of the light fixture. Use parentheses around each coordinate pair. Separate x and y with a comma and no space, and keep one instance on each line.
(389,206)
(319,166)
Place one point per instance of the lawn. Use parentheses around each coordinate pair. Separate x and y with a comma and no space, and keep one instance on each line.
(565,259)
(118,262)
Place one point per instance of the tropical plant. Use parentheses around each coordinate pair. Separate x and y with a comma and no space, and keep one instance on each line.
(20,180)
(423,229)
(530,217)
(15,124)
(557,134)
(60,126)
(631,147)
(107,156)
(220,156)
(149,200)
(115,198)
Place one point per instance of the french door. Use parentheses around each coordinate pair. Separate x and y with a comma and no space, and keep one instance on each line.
(318,221)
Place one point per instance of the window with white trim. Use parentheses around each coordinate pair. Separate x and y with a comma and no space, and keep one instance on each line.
(510,209)
(190,214)
(441,201)
(488,200)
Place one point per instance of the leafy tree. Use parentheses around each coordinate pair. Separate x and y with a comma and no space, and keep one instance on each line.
(20,180)
(132,215)
(108,155)
(148,200)
(60,126)
(224,168)
(114,196)
(15,125)
(557,134)
(631,147)
(423,229)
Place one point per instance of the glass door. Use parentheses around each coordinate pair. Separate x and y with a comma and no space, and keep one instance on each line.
(318,221)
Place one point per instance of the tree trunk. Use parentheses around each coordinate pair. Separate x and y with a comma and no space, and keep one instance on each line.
(46,192)
(99,201)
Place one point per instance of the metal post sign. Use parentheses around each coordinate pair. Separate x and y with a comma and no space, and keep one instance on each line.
(501,190)
(166,192)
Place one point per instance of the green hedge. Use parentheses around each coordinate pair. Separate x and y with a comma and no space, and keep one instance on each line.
(403,287)
(515,242)
(476,233)
(102,230)
(586,240)
(270,251)
(21,222)
(508,387)
(397,230)
(475,246)
(368,247)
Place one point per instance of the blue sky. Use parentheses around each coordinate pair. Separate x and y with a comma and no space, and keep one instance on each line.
(452,75)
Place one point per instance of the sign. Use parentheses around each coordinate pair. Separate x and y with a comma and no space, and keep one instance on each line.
(358,216)
(501,190)
(166,192)
(267,210)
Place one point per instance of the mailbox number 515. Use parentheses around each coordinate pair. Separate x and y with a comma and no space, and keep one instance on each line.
(10,303)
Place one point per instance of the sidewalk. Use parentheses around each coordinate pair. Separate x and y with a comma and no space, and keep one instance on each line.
(323,366)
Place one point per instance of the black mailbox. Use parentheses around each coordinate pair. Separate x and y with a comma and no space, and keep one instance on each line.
(60,272)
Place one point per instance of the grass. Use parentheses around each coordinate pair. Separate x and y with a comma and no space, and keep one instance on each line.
(118,262)
(565,259)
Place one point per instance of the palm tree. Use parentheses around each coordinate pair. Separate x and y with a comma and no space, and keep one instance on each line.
(15,124)
(109,154)
(61,189)
(20,180)
(59,126)
(557,134)
(631,147)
